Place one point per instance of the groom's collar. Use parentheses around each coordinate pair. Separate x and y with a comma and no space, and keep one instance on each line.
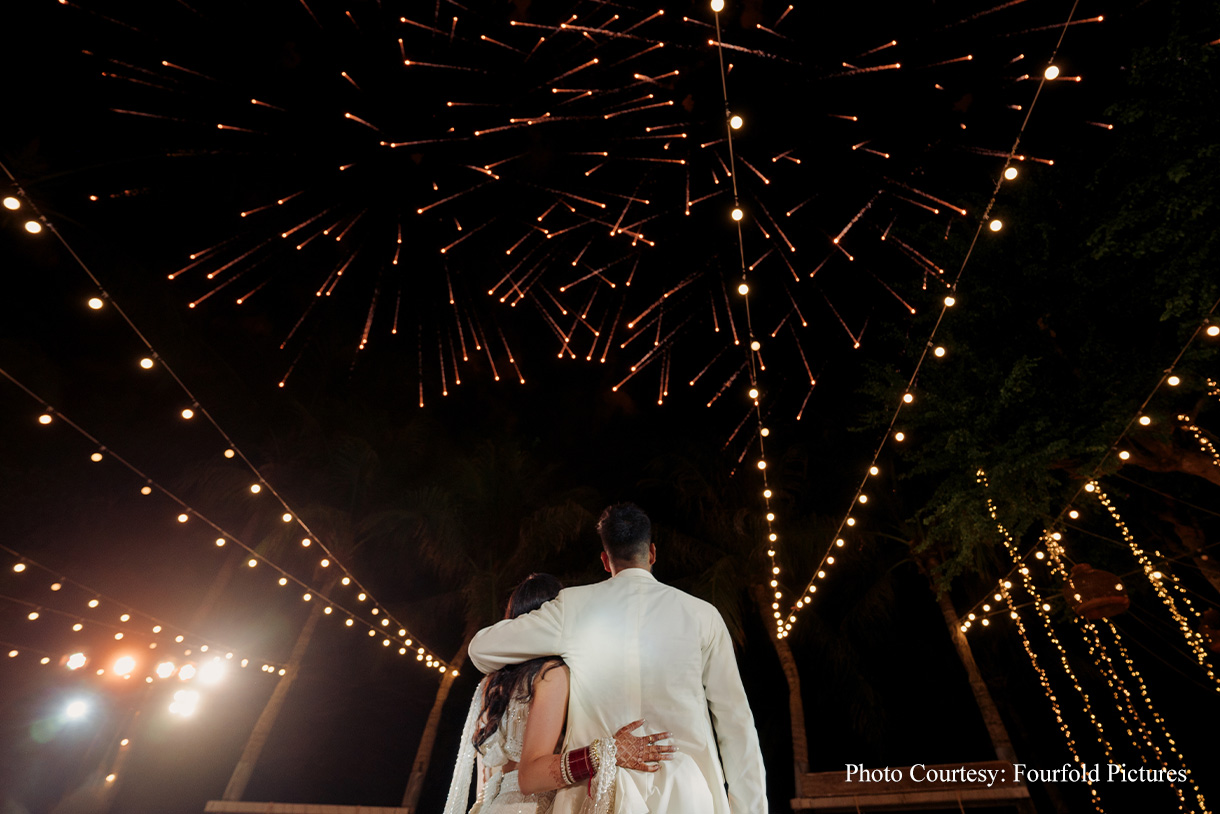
(635,573)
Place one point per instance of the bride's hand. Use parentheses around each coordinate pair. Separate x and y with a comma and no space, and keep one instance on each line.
(641,752)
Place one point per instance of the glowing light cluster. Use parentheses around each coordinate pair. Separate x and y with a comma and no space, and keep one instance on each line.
(115,621)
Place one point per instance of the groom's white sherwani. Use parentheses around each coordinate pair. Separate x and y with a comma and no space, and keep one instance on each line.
(640,649)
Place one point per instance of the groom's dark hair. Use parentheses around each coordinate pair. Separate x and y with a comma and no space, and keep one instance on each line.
(625,531)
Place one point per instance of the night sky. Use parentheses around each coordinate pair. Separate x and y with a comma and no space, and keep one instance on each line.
(447,311)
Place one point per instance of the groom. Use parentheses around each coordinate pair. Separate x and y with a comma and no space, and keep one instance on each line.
(640,649)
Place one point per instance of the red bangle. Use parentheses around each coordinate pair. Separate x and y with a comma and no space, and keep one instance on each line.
(580,764)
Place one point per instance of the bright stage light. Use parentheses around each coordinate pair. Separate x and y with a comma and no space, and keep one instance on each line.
(185,703)
(212,672)
(165,669)
(76,710)
(187,672)
(124,665)
(76,661)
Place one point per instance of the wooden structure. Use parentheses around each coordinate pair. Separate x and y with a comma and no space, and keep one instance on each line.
(831,791)
(241,807)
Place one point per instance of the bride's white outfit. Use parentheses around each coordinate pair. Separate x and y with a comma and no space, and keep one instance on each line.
(500,794)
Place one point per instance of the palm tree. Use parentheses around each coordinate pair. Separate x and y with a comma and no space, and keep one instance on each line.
(344,469)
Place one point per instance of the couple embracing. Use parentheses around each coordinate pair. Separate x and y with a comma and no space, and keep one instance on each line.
(574,672)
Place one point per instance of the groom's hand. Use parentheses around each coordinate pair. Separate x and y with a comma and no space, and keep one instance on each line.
(641,752)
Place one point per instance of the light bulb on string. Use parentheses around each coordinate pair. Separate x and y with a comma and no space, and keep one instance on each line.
(1213,330)
(737,213)
(12,204)
(188,413)
(146,363)
(33,227)
(950,301)
(717,6)
(938,352)
(1010,173)
(735,122)
(996,225)
(229,453)
(1173,381)
(743,289)
(45,419)
(1051,72)
(255,488)
(95,303)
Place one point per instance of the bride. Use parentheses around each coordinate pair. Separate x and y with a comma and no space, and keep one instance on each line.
(515,728)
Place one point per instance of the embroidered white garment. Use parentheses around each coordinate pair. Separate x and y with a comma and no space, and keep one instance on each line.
(500,794)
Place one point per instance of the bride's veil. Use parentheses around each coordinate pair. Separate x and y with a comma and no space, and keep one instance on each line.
(459,786)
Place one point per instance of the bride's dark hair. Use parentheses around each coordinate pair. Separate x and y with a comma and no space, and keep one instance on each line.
(517,680)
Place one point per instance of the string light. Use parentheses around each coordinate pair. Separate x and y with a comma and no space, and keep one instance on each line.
(1004,590)
(1143,693)
(753,362)
(96,303)
(1122,696)
(76,660)
(1184,618)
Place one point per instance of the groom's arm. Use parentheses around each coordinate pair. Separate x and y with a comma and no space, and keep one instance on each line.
(513,641)
(740,754)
